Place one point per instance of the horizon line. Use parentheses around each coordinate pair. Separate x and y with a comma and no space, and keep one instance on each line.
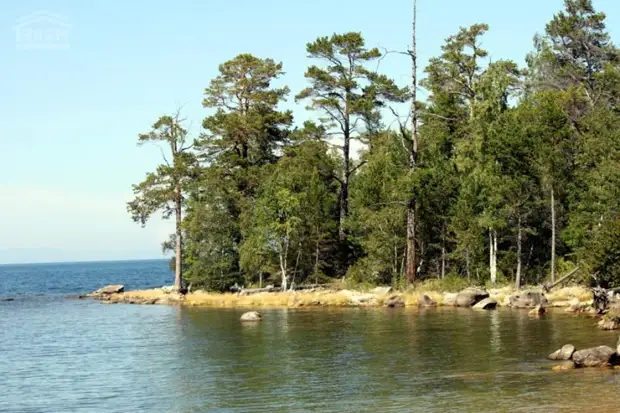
(83,261)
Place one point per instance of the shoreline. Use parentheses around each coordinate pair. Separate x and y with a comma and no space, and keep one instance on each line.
(574,299)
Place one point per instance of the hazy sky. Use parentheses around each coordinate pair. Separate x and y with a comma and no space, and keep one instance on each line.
(70,117)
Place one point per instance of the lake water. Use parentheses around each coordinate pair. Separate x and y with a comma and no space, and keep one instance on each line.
(60,355)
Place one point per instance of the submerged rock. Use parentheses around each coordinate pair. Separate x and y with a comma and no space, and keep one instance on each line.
(565,353)
(470,296)
(251,316)
(394,301)
(486,304)
(568,365)
(528,299)
(609,323)
(537,311)
(594,357)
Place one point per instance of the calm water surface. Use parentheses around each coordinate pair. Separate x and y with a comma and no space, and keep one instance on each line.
(62,355)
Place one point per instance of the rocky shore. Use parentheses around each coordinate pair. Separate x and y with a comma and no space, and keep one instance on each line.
(570,299)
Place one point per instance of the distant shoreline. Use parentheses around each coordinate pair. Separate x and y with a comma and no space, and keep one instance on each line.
(120,261)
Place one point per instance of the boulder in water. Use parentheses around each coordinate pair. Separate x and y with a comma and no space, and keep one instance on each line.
(470,296)
(537,311)
(251,316)
(594,357)
(486,304)
(565,353)
(528,299)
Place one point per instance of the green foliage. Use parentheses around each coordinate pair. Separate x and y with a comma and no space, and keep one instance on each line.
(505,159)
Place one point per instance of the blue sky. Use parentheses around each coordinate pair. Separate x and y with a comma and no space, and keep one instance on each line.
(68,153)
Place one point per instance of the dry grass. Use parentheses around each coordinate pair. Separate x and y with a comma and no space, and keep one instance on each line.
(415,297)
(569,293)
(328,298)
(268,300)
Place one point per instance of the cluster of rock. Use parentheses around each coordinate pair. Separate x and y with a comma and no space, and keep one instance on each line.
(601,356)
(481,300)
(114,294)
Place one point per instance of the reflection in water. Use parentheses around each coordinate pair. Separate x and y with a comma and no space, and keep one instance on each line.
(495,332)
(78,356)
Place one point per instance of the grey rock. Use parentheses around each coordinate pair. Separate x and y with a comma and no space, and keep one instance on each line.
(486,304)
(394,301)
(450,299)
(528,299)
(110,289)
(565,353)
(251,316)
(609,323)
(470,296)
(594,357)
(363,299)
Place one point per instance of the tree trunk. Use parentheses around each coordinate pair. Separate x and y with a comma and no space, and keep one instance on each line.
(178,277)
(552,235)
(411,258)
(283,254)
(519,239)
(443,253)
(411,206)
(493,255)
(316,262)
(344,198)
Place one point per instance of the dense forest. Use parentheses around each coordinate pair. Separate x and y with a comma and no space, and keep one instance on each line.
(502,174)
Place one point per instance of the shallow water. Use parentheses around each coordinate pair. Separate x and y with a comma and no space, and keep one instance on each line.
(61,355)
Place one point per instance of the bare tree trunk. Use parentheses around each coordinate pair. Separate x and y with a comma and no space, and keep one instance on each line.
(296,265)
(493,255)
(283,264)
(178,276)
(552,235)
(413,152)
(519,239)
